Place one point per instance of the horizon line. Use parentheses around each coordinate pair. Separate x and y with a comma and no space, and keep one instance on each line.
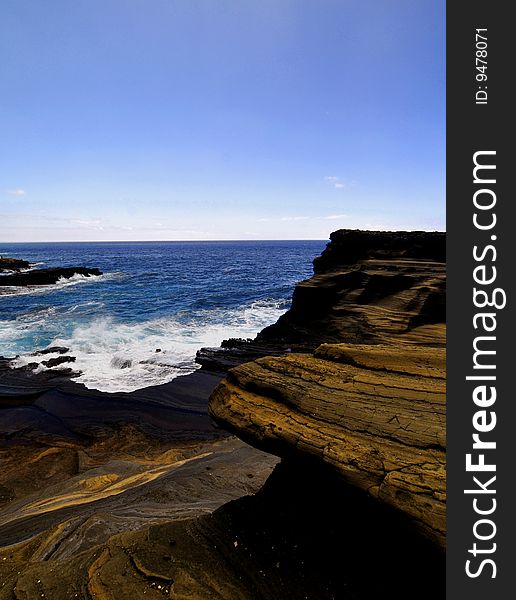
(166,241)
(219,240)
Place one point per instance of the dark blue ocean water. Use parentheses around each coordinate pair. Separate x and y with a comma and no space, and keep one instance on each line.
(175,296)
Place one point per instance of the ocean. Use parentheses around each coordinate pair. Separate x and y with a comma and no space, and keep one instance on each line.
(174,297)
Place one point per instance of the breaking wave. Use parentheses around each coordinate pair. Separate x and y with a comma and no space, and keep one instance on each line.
(116,356)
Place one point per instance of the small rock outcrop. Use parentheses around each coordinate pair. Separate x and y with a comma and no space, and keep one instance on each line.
(12,264)
(46,276)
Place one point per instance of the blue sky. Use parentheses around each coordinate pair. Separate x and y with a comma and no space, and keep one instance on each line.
(227,119)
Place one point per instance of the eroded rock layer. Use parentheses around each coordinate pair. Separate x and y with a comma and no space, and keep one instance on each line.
(374,414)
(303,536)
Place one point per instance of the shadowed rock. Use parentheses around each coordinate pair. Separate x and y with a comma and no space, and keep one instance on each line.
(51,350)
(59,360)
(283,543)
(13,264)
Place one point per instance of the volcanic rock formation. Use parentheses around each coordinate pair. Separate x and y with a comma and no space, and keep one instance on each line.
(371,404)
(374,414)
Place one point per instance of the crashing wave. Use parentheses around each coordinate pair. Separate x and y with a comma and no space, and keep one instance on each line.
(114,356)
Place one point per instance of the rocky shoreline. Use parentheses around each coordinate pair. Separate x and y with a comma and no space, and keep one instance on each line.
(117,494)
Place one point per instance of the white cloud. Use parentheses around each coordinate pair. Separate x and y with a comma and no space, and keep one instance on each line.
(100,225)
(86,221)
(335,181)
(334,217)
(338,183)
(16,192)
(90,224)
(303,218)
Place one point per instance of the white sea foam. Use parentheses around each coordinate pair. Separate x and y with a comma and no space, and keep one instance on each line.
(115,356)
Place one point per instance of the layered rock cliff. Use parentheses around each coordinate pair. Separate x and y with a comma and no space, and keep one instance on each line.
(371,404)
(368,287)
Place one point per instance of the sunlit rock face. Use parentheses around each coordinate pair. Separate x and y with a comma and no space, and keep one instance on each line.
(374,414)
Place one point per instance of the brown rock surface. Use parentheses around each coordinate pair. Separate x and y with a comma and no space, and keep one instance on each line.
(303,536)
(374,414)
(372,301)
